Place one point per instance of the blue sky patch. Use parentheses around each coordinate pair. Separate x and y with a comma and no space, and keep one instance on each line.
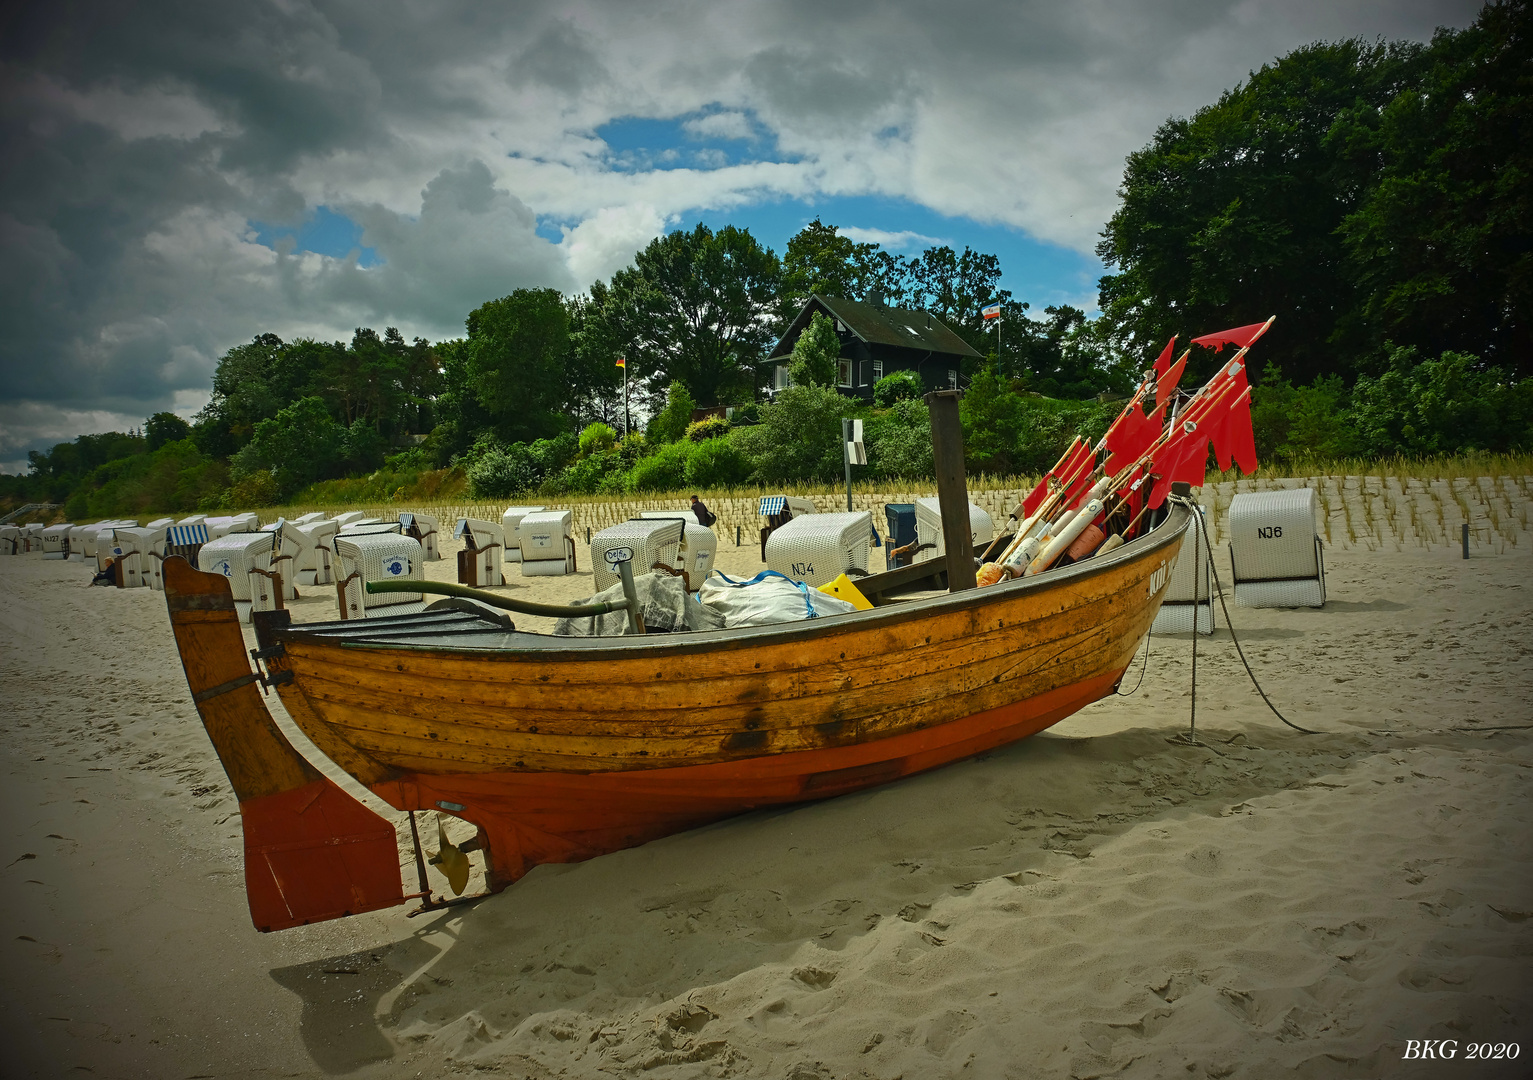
(325,232)
(710,138)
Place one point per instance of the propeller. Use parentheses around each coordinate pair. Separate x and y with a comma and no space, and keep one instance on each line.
(449,861)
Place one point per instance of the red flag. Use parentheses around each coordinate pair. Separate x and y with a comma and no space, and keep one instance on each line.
(1163,361)
(1166,385)
(1230,422)
(1072,464)
(1238,434)
(1130,437)
(1183,457)
(1241,337)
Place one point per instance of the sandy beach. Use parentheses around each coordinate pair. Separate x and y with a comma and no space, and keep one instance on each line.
(1094,901)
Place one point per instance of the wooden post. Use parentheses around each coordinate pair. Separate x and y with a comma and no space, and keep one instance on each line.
(952,488)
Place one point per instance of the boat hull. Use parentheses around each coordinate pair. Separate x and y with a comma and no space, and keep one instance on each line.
(561,750)
(529,818)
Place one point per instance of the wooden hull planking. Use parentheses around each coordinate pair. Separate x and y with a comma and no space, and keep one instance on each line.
(559,755)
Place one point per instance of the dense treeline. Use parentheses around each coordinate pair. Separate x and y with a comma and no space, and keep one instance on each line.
(1374,196)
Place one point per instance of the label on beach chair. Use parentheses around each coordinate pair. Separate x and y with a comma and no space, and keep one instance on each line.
(396,567)
(618,555)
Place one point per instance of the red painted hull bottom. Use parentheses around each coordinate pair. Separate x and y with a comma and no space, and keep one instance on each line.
(528,818)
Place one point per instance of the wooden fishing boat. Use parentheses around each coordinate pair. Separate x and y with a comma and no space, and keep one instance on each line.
(560,749)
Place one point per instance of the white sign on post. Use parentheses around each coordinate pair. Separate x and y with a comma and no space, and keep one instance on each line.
(856,452)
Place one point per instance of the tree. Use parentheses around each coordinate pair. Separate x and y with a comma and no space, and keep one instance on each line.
(816,353)
(1233,215)
(165,427)
(515,361)
(1365,193)
(692,309)
(298,446)
(670,423)
(818,259)
(1442,242)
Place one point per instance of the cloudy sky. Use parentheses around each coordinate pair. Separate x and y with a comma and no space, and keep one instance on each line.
(179,176)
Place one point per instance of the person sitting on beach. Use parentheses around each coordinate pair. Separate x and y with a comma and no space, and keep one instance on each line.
(108,574)
(704,515)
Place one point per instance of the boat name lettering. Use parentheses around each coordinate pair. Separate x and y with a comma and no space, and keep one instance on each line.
(1158,578)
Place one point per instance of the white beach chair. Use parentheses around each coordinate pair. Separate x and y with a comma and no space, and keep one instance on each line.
(133,549)
(82,541)
(1190,592)
(290,548)
(185,540)
(34,536)
(348,517)
(423,527)
(56,541)
(1276,557)
(649,544)
(778,510)
(10,540)
(510,521)
(315,562)
(821,547)
(377,556)
(479,563)
(929,529)
(309,518)
(547,543)
(699,546)
(245,559)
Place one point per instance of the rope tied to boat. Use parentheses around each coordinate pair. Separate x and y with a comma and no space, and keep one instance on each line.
(1219,591)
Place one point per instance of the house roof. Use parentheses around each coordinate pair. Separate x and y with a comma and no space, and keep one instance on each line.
(877,324)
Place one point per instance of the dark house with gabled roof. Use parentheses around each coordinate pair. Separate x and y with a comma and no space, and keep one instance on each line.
(877,340)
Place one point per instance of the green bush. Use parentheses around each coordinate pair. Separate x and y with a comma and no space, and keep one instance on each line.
(670,423)
(799,437)
(1448,405)
(597,438)
(254,491)
(664,470)
(900,442)
(710,428)
(717,463)
(897,386)
(585,475)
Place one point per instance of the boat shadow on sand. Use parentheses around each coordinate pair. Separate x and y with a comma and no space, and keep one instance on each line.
(701,907)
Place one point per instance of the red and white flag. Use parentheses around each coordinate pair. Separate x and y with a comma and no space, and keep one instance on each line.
(991,312)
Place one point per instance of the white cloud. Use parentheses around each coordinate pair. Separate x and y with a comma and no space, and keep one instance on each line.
(719,125)
(894,241)
(605,242)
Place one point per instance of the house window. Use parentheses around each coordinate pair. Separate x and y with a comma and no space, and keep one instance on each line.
(780,377)
(846,372)
(952,379)
(878,370)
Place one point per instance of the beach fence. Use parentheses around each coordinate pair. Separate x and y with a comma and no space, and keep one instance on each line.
(1376,512)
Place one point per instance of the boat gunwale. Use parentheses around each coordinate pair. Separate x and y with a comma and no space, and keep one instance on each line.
(550,647)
